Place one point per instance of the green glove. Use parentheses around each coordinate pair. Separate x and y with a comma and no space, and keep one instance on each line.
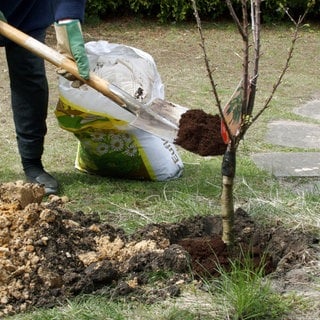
(70,43)
(2,17)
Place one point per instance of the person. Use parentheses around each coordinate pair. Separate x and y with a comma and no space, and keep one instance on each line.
(28,82)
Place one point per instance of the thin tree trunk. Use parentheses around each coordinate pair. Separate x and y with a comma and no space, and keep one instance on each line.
(227,207)
(227,210)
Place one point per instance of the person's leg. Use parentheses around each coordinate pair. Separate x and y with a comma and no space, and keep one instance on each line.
(29,98)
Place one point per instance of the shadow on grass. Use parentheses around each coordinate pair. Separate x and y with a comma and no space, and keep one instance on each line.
(202,179)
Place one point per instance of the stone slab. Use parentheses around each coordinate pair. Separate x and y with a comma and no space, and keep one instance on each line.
(289,164)
(310,109)
(294,134)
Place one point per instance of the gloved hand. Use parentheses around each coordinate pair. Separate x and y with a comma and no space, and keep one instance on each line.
(70,43)
(2,17)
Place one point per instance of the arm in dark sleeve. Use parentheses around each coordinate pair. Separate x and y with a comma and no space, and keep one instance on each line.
(69,9)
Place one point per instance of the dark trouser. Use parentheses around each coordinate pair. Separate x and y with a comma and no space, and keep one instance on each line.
(29,98)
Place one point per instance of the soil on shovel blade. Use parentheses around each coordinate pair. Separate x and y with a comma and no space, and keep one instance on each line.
(49,254)
(200,133)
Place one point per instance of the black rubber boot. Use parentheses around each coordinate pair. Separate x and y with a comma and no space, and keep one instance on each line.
(50,184)
(35,173)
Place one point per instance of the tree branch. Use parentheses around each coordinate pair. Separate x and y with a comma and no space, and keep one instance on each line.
(235,18)
(256,27)
(246,51)
(207,64)
(285,68)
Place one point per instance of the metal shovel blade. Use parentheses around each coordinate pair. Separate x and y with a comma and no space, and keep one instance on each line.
(160,118)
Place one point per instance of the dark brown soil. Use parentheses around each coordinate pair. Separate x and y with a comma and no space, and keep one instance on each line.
(200,133)
(49,254)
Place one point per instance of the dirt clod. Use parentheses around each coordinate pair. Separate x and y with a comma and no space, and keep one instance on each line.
(200,133)
(49,254)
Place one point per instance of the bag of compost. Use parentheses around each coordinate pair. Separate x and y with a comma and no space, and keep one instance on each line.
(108,144)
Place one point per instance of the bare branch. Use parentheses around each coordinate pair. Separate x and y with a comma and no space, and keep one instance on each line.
(256,26)
(235,18)
(206,59)
(246,52)
(285,68)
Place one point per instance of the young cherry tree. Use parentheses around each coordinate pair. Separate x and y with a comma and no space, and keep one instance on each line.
(237,116)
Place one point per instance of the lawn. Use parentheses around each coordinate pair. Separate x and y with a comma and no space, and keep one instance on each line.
(130,204)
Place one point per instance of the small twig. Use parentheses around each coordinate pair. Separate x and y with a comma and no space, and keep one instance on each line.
(131,211)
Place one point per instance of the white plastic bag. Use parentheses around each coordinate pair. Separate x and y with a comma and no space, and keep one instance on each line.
(108,144)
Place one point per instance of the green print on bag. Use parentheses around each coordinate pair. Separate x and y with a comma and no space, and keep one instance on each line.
(112,154)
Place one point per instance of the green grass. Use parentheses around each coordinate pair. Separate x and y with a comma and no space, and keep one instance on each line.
(132,204)
(244,293)
(98,308)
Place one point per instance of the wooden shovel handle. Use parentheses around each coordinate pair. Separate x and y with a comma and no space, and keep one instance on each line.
(57,59)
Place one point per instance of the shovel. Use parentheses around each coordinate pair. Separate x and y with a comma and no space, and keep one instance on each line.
(160,118)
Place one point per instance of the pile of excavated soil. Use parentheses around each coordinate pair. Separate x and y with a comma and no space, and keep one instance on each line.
(200,133)
(49,254)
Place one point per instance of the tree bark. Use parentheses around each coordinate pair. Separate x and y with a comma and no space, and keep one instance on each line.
(227,207)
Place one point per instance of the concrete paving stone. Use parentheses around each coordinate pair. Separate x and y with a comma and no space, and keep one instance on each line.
(289,164)
(284,165)
(294,134)
(311,109)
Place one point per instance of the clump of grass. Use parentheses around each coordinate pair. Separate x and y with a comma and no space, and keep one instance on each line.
(245,294)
